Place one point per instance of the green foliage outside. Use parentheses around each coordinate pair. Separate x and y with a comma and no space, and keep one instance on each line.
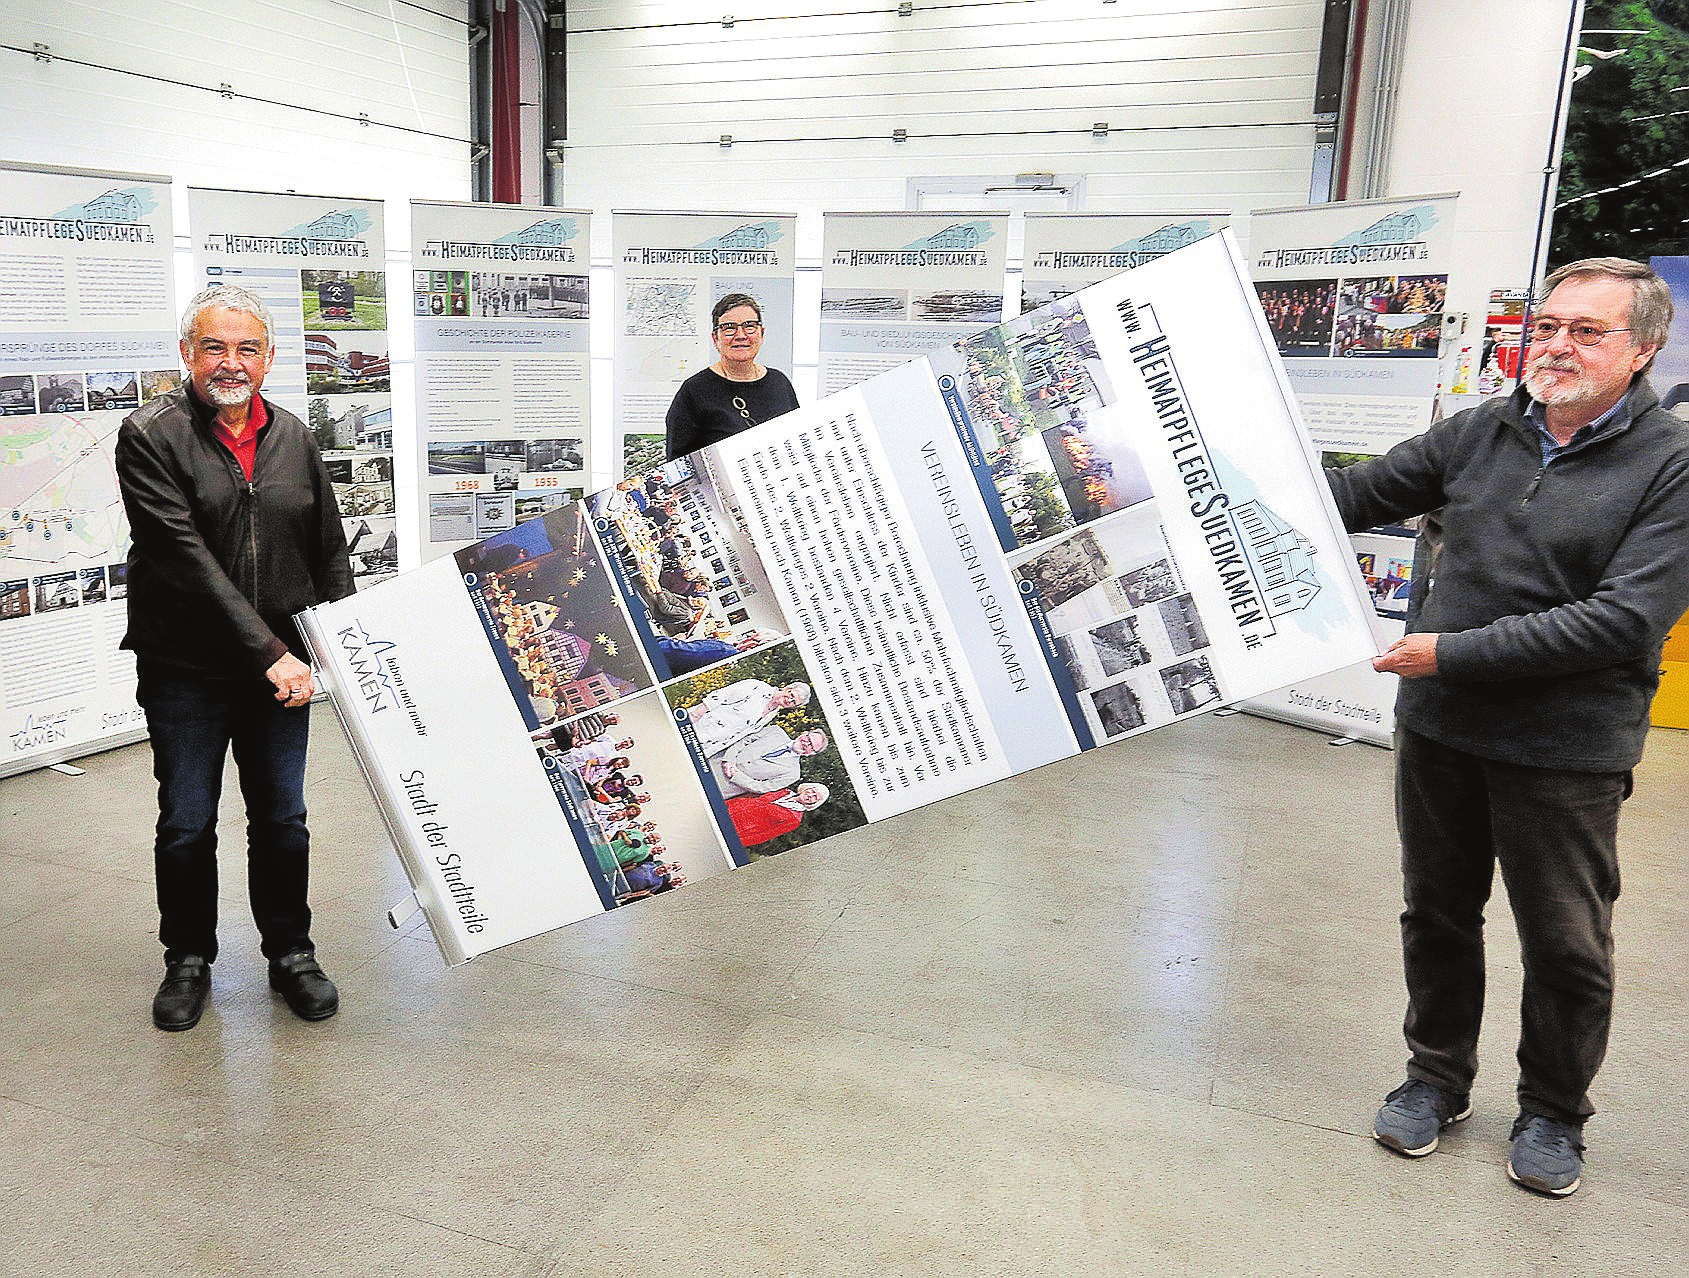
(1626,124)
(781,665)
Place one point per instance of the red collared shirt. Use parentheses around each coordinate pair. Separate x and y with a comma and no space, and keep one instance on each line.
(245,448)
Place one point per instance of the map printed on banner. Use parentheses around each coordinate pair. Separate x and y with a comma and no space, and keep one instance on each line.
(86,337)
(898,285)
(1066,252)
(1066,530)
(319,264)
(670,270)
(499,293)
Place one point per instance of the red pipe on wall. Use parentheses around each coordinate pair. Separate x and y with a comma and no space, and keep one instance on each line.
(507,102)
(1346,145)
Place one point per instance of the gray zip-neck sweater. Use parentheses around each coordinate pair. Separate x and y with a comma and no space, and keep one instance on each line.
(1553,586)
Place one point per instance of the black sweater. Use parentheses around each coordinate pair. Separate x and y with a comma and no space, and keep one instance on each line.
(703,411)
(1553,587)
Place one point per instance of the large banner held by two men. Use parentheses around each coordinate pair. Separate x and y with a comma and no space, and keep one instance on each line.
(87,334)
(1062,531)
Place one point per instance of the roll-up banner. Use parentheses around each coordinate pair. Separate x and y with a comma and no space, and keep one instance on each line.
(1066,530)
(1670,373)
(670,270)
(1354,295)
(1065,252)
(320,264)
(897,285)
(503,405)
(87,334)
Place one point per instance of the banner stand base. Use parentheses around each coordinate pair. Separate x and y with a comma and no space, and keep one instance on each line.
(401,913)
(67,769)
(1342,741)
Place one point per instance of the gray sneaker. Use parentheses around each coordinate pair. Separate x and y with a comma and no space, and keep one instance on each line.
(1547,1155)
(1414,1113)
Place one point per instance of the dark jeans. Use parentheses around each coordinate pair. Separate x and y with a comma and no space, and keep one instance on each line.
(193,719)
(1555,836)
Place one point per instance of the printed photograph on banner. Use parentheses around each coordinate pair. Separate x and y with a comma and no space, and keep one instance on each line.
(62,393)
(958,306)
(546,601)
(451,516)
(640,452)
(761,736)
(680,540)
(363,483)
(159,381)
(1300,314)
(1127,629)
(351,423)
(502,295)
(347,363)
(630,783)
(505,461)
(17,395)
(1033,390)
(373,545)
(119,390)
(56,591)
(344,300)
(1391,315)
(14,599)
(865,303)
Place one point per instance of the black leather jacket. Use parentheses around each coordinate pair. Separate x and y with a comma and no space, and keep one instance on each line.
(218,567)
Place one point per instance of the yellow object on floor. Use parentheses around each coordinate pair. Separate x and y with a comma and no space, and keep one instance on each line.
(1671,703)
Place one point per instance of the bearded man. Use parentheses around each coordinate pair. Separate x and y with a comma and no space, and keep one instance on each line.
(234,530)
(1530,662)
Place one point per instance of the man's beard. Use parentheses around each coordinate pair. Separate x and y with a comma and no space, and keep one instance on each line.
(229,396)
(1562,394)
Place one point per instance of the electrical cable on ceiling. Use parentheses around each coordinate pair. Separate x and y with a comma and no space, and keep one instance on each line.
(224,91)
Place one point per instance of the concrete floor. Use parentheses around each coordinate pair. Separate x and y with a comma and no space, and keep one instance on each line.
(1129,1014)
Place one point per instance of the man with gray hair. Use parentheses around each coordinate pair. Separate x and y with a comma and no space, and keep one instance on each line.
(234,530)
(1529,664)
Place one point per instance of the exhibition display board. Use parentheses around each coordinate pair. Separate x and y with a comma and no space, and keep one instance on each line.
(1354,295)
(1065,252)
(897,285)
(670,269)
(87,334)
(503,407)
(319,263)
(1066,530)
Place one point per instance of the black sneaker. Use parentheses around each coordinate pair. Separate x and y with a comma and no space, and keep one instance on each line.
(180,1000)
(1547,1155)
(300,979)
(1414,1113)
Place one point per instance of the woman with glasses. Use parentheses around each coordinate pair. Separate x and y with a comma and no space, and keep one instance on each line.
(734,393)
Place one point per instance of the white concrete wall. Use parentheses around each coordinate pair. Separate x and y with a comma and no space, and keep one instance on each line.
(1208,103)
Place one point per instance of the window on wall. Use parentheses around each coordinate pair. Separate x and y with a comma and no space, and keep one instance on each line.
(1017,193)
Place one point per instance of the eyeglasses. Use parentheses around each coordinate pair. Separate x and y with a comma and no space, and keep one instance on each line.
(1580,331)
(750,328)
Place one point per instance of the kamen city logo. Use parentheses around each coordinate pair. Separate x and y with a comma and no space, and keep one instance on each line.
(366,662)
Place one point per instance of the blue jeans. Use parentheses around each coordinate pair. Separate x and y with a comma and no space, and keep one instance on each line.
(1554,835)
(194,718)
